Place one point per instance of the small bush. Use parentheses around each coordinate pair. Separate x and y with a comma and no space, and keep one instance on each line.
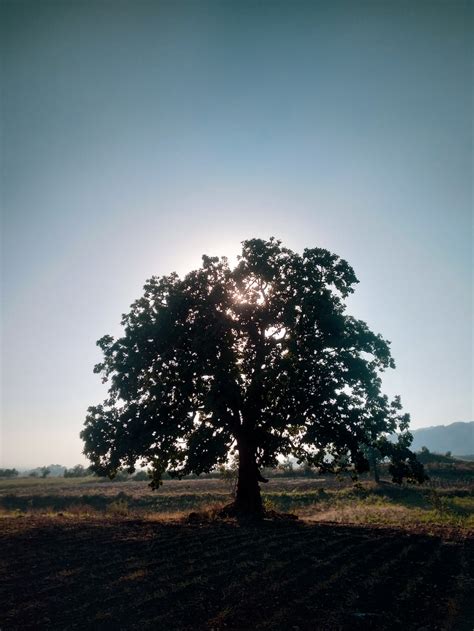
(119,507)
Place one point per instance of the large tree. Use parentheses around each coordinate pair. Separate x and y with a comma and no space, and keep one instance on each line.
(259,360)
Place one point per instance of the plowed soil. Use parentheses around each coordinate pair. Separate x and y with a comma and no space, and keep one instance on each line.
(56,573)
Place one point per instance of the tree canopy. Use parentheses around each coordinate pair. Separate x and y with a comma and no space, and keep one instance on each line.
(260,360)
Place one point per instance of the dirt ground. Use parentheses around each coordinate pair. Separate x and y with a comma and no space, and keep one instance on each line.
(121,573)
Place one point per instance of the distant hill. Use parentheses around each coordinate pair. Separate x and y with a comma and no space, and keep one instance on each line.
(458,438)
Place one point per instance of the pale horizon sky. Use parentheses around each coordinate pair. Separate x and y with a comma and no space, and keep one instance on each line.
(137,136)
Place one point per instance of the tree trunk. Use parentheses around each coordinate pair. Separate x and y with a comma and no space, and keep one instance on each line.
(248,499)
(373,465)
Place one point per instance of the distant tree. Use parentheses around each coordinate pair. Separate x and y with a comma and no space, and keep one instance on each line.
(141,476)
(307,470)
(374,457)
(426,457)
(8,473)
(404,463)
(77,472)
(56,470)
(121,476)
(45,471)
(33,474)
(286,467)
(261,360)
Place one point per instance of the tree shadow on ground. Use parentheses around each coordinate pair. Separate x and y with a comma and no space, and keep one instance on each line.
(138,574)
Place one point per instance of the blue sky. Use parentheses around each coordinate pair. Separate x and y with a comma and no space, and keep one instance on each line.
(137,136)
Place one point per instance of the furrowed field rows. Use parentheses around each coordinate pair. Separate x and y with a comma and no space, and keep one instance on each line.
(452,586)
(281,576)
(162,545)
(223,583)
(232,586)
(182,576)
(351,602)
(420,574)
(132,574)
(314,579)
(381,580)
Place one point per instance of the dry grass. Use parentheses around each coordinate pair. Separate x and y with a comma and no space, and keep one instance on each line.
(356,514)
(315,500)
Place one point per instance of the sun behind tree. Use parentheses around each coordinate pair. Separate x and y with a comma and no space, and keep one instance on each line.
(259,360)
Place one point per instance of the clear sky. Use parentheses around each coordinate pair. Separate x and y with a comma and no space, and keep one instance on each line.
(137,136)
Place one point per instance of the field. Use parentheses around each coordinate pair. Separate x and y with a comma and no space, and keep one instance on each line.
(100,555)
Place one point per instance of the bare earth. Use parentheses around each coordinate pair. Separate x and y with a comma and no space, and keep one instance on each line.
(59,573)
(91,555)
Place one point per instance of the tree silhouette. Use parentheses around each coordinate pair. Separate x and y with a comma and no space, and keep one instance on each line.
(260,359)
(77,471)
(45,471)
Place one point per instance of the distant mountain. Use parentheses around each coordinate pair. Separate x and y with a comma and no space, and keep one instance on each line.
(458,438)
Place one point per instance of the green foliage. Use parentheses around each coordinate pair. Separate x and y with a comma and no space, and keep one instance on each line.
(404,463)
(261,355)
(8,473)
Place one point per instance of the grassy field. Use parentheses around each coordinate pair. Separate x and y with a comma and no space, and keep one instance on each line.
(83,553)
(313,499)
